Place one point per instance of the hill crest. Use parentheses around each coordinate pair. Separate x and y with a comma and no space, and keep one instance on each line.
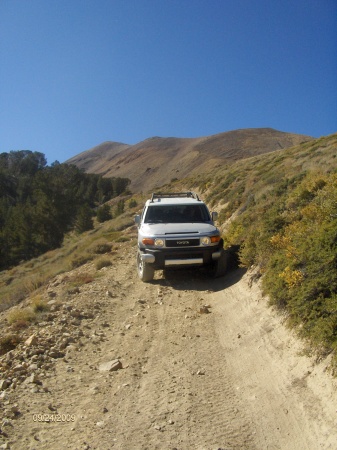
(157,160)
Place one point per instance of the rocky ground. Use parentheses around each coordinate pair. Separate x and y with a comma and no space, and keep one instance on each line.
(185,362)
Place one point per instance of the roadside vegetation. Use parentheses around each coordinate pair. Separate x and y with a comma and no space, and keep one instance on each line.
(281,209)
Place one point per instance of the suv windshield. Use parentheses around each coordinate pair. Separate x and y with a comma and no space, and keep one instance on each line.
(177,214)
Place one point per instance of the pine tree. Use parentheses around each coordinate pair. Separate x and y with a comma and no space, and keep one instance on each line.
(84,220)
(104,213)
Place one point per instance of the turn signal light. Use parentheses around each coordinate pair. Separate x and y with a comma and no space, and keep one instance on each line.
(148,241)
(215,239)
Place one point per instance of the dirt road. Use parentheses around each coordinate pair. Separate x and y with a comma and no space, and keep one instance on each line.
(205,365)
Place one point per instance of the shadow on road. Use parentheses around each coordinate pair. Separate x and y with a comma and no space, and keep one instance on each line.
(199,279)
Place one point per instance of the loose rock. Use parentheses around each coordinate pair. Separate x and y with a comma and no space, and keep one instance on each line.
(110,366)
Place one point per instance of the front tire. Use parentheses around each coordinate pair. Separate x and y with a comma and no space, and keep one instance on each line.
(145,270)
(220,266)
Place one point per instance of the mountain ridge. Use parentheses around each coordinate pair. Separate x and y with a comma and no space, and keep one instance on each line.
(155,161)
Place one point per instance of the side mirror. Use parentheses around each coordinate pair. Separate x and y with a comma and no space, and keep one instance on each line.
(214,216)
(137,219)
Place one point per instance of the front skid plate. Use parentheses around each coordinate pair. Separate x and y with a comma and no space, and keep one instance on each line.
(182,262)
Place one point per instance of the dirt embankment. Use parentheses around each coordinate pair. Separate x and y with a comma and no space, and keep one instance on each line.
(182,363)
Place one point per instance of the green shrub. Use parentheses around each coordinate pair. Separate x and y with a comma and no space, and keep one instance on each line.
(119,208)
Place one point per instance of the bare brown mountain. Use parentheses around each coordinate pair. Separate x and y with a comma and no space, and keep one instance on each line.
(156,161)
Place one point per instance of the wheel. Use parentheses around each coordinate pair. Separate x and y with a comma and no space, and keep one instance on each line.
(220,266)
(145,270)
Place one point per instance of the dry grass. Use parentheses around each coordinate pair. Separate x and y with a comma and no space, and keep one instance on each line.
(103,262)
(39,305)
(20,315)
(80,260)
(34,282)
(101,247)
(79,279)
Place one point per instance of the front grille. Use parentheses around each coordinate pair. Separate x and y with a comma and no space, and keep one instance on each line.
(183,242)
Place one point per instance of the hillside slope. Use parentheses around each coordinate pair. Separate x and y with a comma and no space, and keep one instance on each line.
(156,161)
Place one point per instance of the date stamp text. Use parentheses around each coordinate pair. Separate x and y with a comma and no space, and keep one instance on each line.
(54,417)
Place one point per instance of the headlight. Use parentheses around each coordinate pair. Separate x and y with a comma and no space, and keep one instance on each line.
(159,242)
(205,240)
(210,240)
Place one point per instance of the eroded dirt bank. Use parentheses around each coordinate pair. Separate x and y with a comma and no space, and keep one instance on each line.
(225,376)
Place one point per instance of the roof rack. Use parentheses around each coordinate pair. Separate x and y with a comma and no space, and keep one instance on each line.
(172,195)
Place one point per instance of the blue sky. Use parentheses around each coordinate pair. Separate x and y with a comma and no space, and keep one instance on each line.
(75,73)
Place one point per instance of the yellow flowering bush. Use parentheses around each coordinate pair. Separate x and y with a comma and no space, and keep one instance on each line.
(291,277)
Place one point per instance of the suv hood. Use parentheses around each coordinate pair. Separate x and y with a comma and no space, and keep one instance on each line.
(164,229)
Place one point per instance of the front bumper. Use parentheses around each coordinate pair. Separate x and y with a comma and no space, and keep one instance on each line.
(197,256)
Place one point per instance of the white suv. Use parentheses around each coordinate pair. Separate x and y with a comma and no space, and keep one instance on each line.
(177,230)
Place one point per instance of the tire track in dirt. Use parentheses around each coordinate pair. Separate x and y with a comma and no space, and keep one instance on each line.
(271,373)
(189,380)
(192,402)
